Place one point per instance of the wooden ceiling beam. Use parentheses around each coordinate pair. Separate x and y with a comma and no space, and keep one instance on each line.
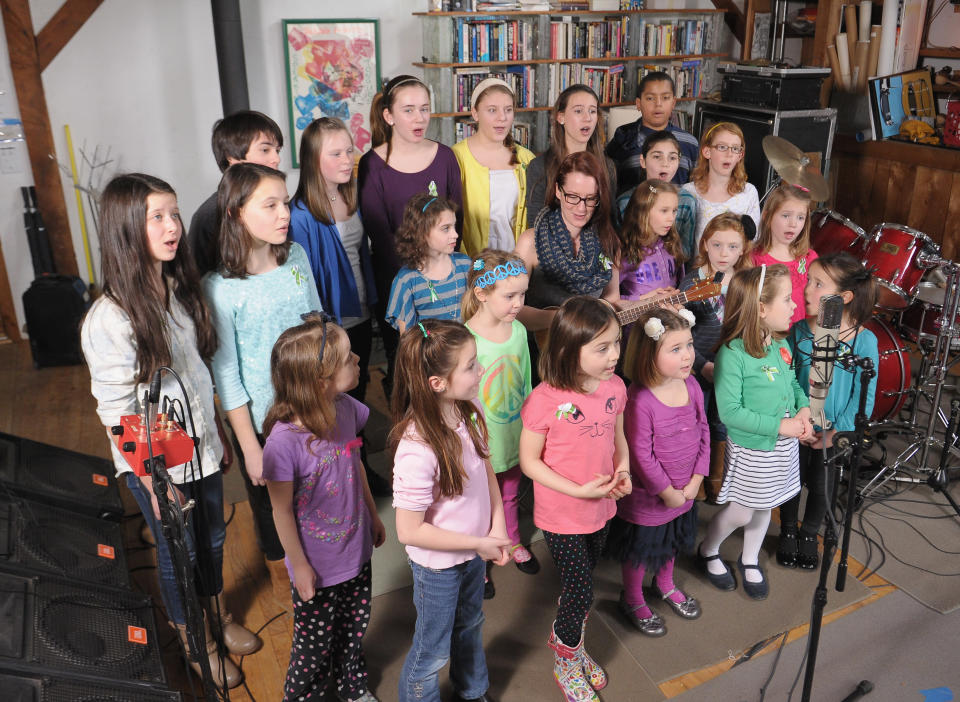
(61,27)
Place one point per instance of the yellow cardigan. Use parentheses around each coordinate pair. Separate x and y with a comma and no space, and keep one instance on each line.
(476,197)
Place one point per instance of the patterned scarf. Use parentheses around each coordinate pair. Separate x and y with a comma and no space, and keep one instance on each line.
(580,274)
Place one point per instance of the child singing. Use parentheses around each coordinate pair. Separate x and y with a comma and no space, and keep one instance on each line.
(669,441)
(572,446)
(322,506)
(449,513)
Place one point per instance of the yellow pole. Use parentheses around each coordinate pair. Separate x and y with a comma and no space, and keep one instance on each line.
(83,217)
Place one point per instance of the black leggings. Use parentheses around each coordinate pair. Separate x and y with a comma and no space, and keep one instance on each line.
(576,555)
(812,477)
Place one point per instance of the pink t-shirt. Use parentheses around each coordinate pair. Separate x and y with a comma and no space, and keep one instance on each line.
(799,270)
(579,445)
(416,489)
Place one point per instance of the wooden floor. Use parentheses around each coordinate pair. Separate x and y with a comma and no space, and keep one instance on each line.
(54,405)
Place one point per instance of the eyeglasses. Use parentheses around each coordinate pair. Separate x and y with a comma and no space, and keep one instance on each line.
(322,317)
(723,148)
(589,200)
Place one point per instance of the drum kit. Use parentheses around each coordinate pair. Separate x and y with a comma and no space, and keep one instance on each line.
(919,292)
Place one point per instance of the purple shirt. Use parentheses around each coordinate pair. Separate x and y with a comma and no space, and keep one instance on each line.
(332,518)
(658,269)
(668,445)
(384,193)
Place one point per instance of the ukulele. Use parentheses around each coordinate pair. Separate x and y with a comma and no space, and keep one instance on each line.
(702,290)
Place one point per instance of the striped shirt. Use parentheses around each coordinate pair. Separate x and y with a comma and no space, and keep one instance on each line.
(414,297)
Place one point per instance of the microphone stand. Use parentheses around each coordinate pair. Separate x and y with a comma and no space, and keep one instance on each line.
(172,522)
(867,372)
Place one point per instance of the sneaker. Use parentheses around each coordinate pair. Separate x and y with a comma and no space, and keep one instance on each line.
(367,696)
(525,561)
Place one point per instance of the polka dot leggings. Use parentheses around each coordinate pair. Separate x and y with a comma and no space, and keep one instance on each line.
(327,635)
(576,556)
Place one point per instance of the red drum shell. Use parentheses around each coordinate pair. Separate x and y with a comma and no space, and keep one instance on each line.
(892,254)
(831,232)
(893,375)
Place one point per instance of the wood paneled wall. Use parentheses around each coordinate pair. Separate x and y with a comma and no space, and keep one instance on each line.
(909,184)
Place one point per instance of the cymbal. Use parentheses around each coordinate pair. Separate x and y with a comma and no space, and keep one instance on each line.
(794,167)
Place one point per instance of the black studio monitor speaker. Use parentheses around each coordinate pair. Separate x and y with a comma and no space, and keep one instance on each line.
(33,686)
(42,538)
(65,479)
(50,624)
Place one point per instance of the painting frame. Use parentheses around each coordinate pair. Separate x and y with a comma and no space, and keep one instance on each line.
(332,69)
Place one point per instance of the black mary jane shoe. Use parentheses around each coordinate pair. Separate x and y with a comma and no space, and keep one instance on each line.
(755,591)
(787,548)
(808,555)
(724,581)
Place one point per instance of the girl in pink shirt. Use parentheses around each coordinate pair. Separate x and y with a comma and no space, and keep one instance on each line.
(784,237)
(572,447)
(449,513)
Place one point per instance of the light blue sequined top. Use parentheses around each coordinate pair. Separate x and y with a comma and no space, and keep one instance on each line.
(250,315)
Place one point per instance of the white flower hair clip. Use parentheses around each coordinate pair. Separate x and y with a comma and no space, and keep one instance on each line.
(688,315)
(653,328)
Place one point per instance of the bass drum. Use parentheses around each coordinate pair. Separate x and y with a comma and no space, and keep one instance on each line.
(893,375)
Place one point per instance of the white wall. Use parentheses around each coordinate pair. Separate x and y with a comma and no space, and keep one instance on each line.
(141,77)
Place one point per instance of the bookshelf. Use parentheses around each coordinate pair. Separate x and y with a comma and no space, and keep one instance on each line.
(541,53)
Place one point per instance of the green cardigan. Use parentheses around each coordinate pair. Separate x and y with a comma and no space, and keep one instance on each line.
(754,394)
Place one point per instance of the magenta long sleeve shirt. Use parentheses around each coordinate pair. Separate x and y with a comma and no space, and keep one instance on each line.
(668,445)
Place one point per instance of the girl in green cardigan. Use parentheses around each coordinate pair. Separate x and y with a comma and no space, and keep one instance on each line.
(765,412)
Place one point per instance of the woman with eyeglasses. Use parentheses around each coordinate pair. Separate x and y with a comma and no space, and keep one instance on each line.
(719,183)
(572,248)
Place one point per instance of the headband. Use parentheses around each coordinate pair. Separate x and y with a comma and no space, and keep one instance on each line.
(654,328)
(502,271)
(429,202)
(483,85)
(763,274)
(401,80)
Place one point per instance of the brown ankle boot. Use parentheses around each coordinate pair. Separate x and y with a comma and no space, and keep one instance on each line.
(239,640)
(229,671)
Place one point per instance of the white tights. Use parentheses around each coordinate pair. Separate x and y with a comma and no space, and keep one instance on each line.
(726,521)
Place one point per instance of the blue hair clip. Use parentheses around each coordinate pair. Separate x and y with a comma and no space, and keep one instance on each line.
(478,264)
(429,202)
(425,332)
(499,273)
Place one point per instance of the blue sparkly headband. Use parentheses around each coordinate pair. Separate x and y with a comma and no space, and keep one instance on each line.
(429,202)
(502,271)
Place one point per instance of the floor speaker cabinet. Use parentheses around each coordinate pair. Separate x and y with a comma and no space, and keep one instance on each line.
(52,624)
(65,479)
(811,131)
(41,538)
(33,686)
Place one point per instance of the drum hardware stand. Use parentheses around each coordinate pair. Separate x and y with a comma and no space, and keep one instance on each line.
(924,438)
(856,448)
(939,481)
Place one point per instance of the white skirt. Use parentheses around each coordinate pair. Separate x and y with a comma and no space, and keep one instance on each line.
(760,479)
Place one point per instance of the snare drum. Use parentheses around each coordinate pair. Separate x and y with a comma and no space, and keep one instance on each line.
(831,232)
(923,319)
(898,256)
(893,375)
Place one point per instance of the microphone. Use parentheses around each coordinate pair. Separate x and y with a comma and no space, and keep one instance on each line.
(823,356)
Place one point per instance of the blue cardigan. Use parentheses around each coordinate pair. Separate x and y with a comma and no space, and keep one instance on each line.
(330,264)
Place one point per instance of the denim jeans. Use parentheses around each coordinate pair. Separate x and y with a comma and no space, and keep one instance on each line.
(449,604)
(204,526)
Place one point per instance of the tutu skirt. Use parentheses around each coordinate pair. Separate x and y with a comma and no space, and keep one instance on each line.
(652,546)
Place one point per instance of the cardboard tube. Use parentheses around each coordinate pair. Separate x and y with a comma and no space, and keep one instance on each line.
(861,65)
(863,30)
(874,52)
(835,66)
(850,25)
(843,56)
(888,38)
